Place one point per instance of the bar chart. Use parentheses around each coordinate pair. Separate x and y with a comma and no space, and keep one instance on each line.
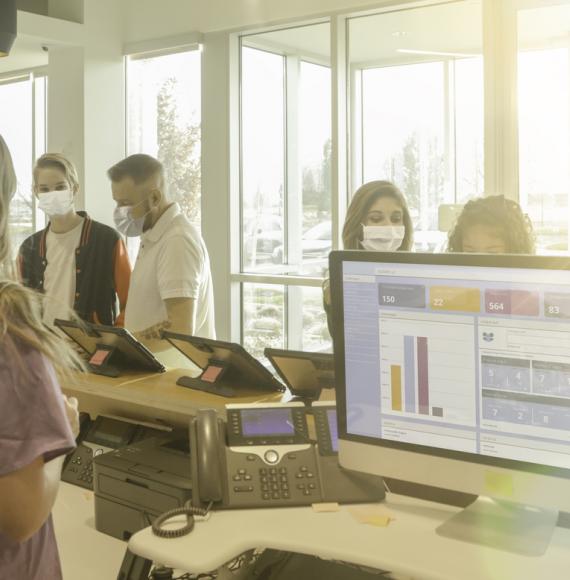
(428,367)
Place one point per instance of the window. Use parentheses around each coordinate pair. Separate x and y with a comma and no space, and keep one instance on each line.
(432,104)
(544,123)
(418,107)
(286,232)
(163,120)
(24,130)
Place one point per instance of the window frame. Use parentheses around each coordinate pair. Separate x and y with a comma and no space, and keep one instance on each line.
(38,145)
(500,130)
(135,53)
(292,284)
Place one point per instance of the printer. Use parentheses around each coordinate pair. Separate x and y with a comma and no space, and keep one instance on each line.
(135,484)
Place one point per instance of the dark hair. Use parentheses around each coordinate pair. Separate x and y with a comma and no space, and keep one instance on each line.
(138,167)
(502,214)
(363,199)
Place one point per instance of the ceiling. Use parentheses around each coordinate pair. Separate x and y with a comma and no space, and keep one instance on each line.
(26,53)
(454,28)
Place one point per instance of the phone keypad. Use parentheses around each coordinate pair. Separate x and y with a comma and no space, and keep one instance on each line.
(79,469)
(274,483)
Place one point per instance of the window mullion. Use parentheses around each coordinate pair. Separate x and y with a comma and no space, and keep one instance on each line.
(501,111)
(450,143)
(340,126)
(293,193)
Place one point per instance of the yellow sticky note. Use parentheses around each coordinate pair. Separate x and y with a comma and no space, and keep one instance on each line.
(326,507)
(379,521)
(371,515)
(499,484)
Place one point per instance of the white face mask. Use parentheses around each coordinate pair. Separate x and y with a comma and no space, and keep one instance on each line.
(56,203)
(382,238)
(126,223)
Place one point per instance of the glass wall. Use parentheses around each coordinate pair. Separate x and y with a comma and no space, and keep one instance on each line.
(417,107)
(285,162)
(543,67)
(23,126)
(163,120)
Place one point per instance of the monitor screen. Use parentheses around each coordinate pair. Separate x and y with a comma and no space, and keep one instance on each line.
(469,360)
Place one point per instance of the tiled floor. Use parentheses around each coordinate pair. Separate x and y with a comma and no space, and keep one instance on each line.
(85,553)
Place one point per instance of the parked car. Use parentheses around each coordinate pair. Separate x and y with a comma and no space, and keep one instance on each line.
(261,237)
(316,244)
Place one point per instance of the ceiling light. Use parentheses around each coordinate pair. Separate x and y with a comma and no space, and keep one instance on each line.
(436,53)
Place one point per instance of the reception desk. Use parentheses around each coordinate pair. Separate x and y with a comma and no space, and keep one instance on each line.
(150,397)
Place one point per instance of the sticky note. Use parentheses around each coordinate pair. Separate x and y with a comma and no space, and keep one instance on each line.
(373,516)
(326,507)
(497,483)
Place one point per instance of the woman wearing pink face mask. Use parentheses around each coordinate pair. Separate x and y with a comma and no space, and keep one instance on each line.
(377,219)
(76,262)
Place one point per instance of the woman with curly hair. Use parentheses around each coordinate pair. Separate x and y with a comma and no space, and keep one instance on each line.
(492,225)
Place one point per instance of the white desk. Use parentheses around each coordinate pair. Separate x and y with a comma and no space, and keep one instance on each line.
(409,545)
(84,552)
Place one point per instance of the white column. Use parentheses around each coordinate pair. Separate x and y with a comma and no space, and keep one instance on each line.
(501,111)
(220,175)
(86,104)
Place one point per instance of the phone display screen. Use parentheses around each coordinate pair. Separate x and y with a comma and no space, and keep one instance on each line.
(110,433)
(266,422)
(333,428)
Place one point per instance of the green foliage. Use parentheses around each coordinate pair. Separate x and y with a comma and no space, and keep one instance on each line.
(179,152)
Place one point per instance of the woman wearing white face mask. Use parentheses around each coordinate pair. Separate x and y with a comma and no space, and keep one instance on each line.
(78,263)
(377,219)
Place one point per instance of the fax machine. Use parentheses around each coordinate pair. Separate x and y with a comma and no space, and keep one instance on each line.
(136,483)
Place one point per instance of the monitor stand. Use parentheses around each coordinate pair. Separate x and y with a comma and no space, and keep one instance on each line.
(505,525)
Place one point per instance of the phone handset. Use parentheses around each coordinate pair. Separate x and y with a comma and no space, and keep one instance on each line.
(207,449)
(206,456)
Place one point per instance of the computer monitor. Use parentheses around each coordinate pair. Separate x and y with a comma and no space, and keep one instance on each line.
(453,370)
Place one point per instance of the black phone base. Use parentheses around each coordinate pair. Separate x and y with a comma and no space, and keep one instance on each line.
(219,388)
(108,371)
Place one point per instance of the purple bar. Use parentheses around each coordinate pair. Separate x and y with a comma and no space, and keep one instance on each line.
(409,374)
(423,379)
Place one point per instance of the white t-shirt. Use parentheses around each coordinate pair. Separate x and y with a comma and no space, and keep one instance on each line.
(172,262)
(59,275)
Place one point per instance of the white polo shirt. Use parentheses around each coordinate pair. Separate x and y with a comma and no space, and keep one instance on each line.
(172,262)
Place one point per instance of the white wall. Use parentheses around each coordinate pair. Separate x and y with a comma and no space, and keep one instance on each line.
(86,118)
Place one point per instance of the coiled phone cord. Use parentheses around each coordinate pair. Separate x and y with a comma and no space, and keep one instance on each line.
(187,510)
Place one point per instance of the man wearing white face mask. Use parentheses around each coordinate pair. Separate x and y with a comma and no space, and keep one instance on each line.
(78,263)
(171,287)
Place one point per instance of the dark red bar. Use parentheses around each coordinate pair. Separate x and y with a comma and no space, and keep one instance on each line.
(423,378)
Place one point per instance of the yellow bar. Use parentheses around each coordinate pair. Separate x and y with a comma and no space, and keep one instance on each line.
(396,381)
(455,299)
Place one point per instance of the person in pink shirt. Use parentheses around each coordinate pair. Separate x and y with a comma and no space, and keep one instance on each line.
(37,423)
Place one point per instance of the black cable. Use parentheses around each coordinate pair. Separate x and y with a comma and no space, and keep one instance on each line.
(188,510)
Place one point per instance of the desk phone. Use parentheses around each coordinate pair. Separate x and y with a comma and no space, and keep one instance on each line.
(97,437)
(263,457)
